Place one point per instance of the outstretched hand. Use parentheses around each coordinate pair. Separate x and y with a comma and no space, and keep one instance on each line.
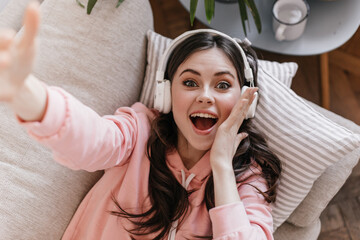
(227,138)
(17,55)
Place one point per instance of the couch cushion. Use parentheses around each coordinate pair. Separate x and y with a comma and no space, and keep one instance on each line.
(12,13)
(287,231)
(306,142)
(100,58)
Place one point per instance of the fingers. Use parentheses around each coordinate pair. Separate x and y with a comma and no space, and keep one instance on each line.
(239,138)
(250,93)
(246,100)
(31,23)
(6,38)
(4,60)
(241,108)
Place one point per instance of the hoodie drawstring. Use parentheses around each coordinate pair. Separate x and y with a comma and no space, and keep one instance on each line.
(185,183)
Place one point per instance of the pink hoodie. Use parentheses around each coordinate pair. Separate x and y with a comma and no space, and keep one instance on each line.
(81,139)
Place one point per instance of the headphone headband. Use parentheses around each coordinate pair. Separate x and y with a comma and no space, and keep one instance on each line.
(160,73)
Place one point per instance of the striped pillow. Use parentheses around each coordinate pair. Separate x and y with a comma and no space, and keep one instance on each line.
(305,141)
(284,72)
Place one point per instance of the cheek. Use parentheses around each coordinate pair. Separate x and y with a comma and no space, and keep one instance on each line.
(227,104)
(180,101)
(175,99)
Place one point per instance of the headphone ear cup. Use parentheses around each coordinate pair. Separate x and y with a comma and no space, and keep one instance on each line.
(167,97)
(162,100)
(159,96)
(252,109)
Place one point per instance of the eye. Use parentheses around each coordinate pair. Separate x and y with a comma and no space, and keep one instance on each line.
(190,83)
(223,85)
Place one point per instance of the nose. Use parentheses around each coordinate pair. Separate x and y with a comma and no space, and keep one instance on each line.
(205,96)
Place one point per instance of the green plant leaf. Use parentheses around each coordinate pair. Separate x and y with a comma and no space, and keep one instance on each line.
(243,14)
(80,4)
(119,2)
(209,9)
(193,5)
(254,13)
(90,5)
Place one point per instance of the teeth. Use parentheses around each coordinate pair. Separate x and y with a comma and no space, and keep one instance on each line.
(203,115)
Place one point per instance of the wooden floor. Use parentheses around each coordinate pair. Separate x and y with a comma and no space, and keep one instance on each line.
(341,219)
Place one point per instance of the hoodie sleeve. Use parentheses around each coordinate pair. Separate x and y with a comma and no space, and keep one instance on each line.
(79,138)
(248,219)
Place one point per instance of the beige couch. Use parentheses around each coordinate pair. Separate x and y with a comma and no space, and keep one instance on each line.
(101,60)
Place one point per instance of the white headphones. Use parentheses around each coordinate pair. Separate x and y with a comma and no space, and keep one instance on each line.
(162,100)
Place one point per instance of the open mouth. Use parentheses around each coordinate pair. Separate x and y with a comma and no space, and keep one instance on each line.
(203,121)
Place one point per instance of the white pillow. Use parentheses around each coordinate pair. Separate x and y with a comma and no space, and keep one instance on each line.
(306,142)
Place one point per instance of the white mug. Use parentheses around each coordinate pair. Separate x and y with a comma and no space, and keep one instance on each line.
(289,18)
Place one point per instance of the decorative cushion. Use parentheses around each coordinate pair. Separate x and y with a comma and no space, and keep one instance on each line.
(284,72)
(99,58)
(306,142)
(330,182)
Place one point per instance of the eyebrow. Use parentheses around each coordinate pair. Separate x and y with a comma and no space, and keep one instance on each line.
(190,70)
(216,74)
(224,73)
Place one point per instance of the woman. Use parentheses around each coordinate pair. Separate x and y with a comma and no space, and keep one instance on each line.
(187,174)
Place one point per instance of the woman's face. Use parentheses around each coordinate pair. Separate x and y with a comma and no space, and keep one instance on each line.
(204,90)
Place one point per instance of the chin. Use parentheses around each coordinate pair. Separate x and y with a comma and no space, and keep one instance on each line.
(202,146)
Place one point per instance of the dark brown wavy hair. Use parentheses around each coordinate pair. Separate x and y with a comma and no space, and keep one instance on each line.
(170,201)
